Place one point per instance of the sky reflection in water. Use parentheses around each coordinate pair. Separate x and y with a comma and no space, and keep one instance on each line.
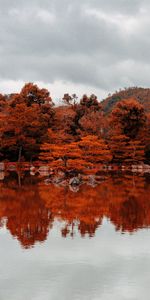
(59,244)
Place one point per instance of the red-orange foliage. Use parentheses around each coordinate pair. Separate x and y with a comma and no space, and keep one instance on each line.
(90,102)
(122,200)
(29,121)
(129,117)
(29,211)
(31,94)
(95,150)
(27,217)
(146,139)
(65,152)
(127,130)
(125,150)
(23,127)
(3,103)
(89,150)
(64,124)
(92,123)
(26,118)
(142,95)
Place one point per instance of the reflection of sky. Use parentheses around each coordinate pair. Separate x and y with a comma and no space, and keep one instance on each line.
(108,266)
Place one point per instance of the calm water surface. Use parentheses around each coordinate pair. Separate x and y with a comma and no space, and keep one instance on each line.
(90,243)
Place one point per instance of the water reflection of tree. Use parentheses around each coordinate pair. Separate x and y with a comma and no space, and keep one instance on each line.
(31,209)
(123,200)
(27,218)
(130,208)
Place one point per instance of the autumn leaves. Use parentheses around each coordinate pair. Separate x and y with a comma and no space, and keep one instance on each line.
(128,132)
(86,152)
(78,135)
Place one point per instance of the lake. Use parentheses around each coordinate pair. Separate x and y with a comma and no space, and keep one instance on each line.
(90,242)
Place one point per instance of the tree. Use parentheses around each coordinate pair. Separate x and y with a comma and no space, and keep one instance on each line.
(125,150)
(3,103)
(64,123)
(50,152)
(26,120)
(31,94)
(86,107)
(89,150)
(67,99)
(127,128)
(92,123)
(94,150)
(146,140)
(23,131)
(90,102)
(129,117)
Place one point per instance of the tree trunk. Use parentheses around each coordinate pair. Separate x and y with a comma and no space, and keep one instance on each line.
(19,155)
(19,179)
(134,151)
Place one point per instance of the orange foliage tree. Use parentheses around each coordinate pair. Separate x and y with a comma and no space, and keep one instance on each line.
(146,140)
(129,117)
(95,150)
(3,103)
(50,152)
(27,116)
(86,106)
(92,123)
(26,119)
(126,150)
(127,129)
(23,131)
(64,125)
(89,150)
(31,94)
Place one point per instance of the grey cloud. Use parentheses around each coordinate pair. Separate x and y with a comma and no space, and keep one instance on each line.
(94,43)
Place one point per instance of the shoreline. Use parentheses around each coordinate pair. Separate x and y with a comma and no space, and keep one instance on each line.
(44,167)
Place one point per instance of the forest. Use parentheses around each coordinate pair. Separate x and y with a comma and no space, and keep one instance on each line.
(78,134)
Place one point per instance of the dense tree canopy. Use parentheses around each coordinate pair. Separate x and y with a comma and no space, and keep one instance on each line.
(77,133)
(129,117)
(127,131)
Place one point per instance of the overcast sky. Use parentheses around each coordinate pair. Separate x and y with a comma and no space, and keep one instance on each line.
(81,46)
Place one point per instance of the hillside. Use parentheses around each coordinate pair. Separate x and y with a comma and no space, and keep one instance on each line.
(141,94)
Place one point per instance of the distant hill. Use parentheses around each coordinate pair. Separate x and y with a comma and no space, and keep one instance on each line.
(141,94)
